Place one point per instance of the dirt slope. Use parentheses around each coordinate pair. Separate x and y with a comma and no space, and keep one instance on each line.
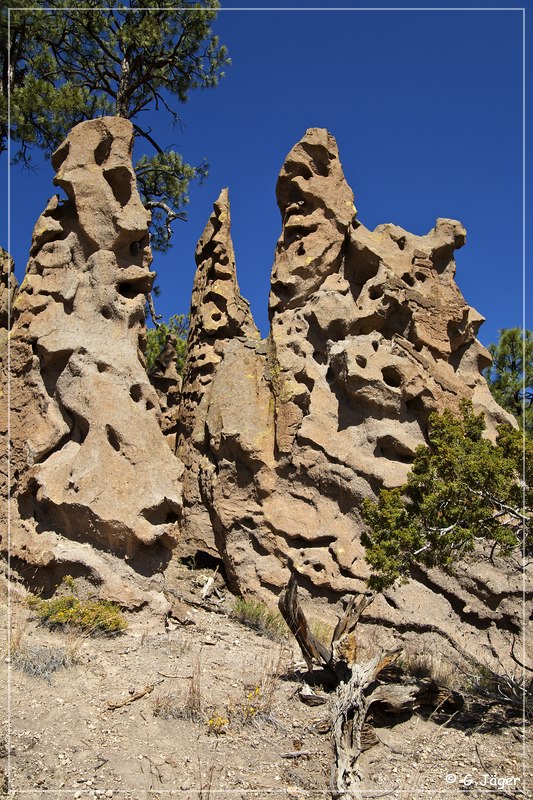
(66,742)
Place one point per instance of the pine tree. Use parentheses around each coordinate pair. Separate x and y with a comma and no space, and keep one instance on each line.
(62,65)
(177,326)
(462,489)
(510,376)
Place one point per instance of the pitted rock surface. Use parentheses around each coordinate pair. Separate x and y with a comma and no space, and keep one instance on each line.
(166,380)
(8,287)
(91,467)
(8,293)
(278,441)
(369,335)
(218,315)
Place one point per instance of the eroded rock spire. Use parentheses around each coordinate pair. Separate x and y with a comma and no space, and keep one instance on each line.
(219,315)
(369,335)
(89,461)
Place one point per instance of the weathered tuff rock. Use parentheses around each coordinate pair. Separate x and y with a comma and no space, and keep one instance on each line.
(166,380)
(93,475)
(8,287)
(8,292)
(218,315)
(369,335)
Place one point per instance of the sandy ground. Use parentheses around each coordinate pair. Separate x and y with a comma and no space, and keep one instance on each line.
(219,717)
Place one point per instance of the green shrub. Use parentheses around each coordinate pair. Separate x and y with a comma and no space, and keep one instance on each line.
(93,616)
(177,326)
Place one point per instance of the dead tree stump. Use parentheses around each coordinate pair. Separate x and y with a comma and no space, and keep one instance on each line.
(356,684)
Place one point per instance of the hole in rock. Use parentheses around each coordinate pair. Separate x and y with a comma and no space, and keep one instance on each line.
(392,376)
(360,266)
(301,250)
(375,291)
(106,312)
(375,345)
(390,448)
(418,407)
(112,438)
(361,361)
(420,276)
(119,178)
(319,157)
(79,430)
(162,513)
(203,560)
(136,316)
(400,242)
(59,156)
(101,367)
(216,316)
(102,151)
(408,279)
(330,375)
(149,405)
(136,392)
(131,289)
(52,365)
(295,168)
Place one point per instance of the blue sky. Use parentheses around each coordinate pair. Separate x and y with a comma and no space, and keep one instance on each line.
(426,107)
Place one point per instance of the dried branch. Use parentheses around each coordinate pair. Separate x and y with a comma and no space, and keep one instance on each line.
(312,649)
(357,687)
(137,696)
(516,660)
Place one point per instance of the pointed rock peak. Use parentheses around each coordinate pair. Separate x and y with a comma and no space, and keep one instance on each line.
(217,308)
(94,168)
(311,170)
(317,209)
(221,204)
(8,287)
(218,315)
(218,228)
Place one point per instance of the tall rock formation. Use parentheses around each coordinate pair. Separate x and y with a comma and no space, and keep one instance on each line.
(93,475)
(369,335)
(279,441)
(8,292)
(218,315)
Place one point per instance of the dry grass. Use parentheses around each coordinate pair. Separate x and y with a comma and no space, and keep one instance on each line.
(259,697)
(18,631)
(167,705)
(513,691)
(42,660)
(260,618)
(206,780)
(322,631)
(193,702)
(432,665)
